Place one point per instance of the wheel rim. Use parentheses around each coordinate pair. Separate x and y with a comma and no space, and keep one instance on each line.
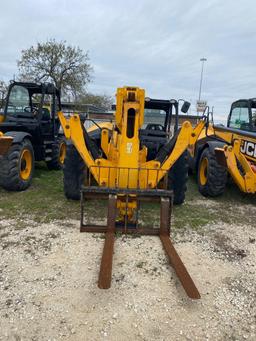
(25,164)
(62,152)
(203,171)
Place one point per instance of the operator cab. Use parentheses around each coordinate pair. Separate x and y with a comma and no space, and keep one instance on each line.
(162,111)
(31,107)
(20,104)
(28,100)
(161,121)
(242,115)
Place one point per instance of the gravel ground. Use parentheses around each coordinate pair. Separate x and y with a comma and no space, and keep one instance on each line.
(48,285)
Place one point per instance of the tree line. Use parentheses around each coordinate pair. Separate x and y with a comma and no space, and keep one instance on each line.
(66,66)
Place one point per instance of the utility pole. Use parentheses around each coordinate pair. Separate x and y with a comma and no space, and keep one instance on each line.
(201,80)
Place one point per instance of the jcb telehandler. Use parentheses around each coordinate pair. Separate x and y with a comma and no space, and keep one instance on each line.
(30,121)
(221,151)
(126,164)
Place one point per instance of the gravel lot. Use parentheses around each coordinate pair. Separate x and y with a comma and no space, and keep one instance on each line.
(48,284)
(49,270)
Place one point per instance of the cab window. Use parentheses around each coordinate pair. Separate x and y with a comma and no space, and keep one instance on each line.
(155,117)
(239,118)
(18,100)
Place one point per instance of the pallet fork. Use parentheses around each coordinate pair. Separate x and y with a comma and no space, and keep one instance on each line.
(112,227)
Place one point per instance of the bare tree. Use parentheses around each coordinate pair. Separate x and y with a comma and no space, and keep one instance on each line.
(66,66)
(3,92)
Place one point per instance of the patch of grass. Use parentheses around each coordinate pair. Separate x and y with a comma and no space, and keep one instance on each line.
(236,206)
(44,201)
(232,207)
(192,216)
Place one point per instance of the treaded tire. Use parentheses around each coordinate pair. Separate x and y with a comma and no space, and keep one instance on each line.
(216,175)
(10,167)
(74,173)
(55,163)
(177,179)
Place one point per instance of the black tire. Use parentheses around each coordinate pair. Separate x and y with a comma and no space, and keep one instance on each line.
(177,179)
(57,160)
(15,172)
(74,173)
(211,176)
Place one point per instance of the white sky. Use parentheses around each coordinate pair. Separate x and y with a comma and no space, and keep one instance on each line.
(153,44)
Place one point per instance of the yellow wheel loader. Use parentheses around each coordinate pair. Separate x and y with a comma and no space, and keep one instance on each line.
(227,151)
(127,163)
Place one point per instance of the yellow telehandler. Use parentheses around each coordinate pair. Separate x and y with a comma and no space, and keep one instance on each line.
(126,164)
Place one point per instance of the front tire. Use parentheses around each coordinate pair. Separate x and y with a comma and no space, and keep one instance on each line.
(177,179)
(74,173)
(211,176)
(17,167)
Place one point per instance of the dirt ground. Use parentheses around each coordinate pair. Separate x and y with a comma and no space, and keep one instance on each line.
(48,284)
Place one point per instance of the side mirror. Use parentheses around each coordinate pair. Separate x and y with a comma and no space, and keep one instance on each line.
(185,107)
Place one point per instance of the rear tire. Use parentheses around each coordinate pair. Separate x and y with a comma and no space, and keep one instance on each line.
(58,155)
(74,173)
(177,179)
(17,167)
(211,176)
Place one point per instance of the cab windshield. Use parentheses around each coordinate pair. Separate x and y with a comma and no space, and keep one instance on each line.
(154,116)
(19,100)
(22,102)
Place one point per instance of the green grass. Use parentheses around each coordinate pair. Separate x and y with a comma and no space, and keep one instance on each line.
(44,201)
(232,207)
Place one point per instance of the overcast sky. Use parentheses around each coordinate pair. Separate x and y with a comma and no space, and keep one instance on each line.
(152,44)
